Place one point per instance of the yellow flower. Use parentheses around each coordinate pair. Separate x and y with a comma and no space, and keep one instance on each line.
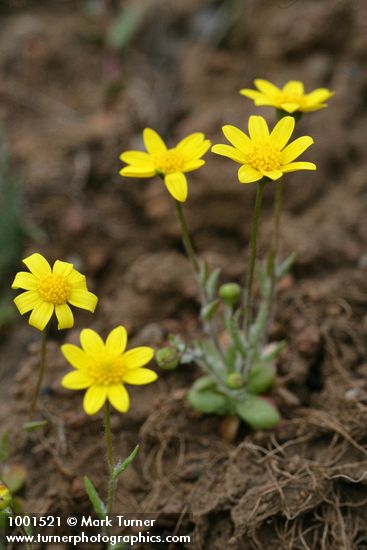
(50,290)
(104,368)
(5,497)
(170,164)
(264,154)
(290,98)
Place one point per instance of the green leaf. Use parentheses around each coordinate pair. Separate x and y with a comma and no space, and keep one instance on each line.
(237,338)
(29,426)
(14,476)
(121,467)
(260,378)
(211,284)
(209,310)
(260,323)
(4,447)
(258,413)
(275,350)
(97,502)
(285,266)
(124,28)
(207,401)
(264,282)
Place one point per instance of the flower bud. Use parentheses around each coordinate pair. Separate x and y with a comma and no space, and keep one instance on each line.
(235,381)
(230,293)
(5,497)
(167,358)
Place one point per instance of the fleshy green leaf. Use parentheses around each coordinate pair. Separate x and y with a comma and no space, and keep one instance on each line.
(14,477)
(29,426)
(208,311)
(121,467)
(211,284)
(258,413)
(208,401)
(286,265)
(97,502)
(260,378)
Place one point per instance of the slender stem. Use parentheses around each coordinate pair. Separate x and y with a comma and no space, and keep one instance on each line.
(40,376)
(252,255)
(276,234)
(186,237)
(108,436)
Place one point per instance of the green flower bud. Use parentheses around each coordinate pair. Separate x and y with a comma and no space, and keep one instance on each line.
(235,381)
(230,293)
(5,497)
(167,358)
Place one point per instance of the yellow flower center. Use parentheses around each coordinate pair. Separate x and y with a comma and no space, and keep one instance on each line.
(54,289)
(265,157)
(298,99)
(169,162)
(107,371)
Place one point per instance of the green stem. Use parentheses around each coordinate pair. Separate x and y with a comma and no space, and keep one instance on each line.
(186,238)
(108,436)
(252,255)
(276,235)
(40,377)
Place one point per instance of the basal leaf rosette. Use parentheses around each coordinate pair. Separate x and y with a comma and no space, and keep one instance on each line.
(170,164)
(50,290)
(262,154)
(103,369)
(291,98)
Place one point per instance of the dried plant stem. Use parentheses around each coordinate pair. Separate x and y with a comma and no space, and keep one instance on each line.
(252,256)
(111,479)
(40,377)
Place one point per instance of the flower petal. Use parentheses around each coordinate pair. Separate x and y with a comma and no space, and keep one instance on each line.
(136,158)
(83,298)
(282,131)
(266,87)
(64,316)
(296,148)
(38,265)
(198,151)
(139,377)
(248,174)
(177,186)
(153,142)
(62,268)
(41,315)
(94,399)
(230,152)
(24,280)
(76,380)
(319,96)
(118,397)
(273,174)
(75,356)
(189,144)
(258,129)
(77,280)
(116,341)
(294,87)
(290,107)
(193,165)
(237,138)
(138,357)
(294,166)
(138,171)
(91,342)
(27,301)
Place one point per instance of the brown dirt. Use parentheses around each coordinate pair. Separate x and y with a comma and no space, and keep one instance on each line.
(70,105)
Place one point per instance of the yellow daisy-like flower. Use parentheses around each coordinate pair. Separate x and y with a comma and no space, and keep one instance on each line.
(264,154)
(50,290)
(290,98)
(104,368)
(170,164)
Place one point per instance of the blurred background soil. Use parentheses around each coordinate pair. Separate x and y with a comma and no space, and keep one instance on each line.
(79,81)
